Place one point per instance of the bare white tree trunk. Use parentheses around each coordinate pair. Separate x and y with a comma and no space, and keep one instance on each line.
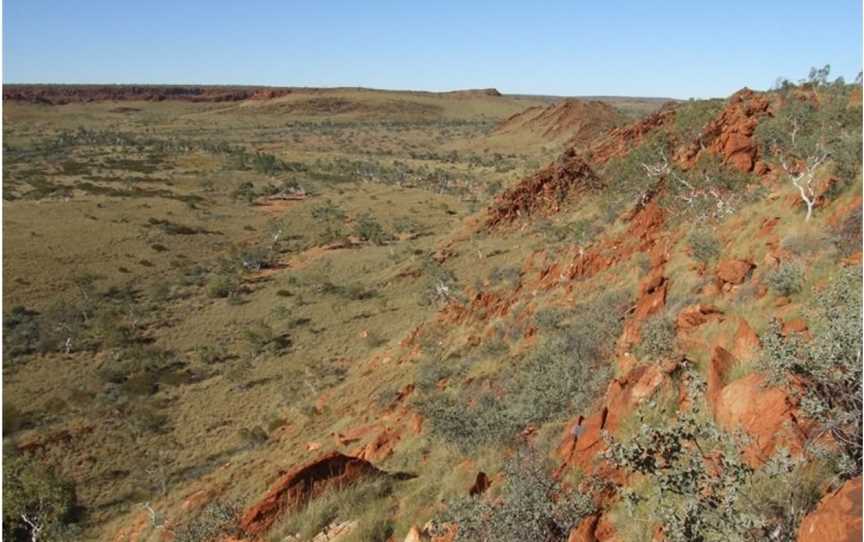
(803,180)
(35,524)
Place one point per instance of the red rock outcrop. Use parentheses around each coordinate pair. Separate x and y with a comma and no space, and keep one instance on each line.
(746,344)
(583,440)
(795,326)
(719,366)
(837,518)
(734,271)
(584,532)
(331,471)
(545,191)
(620,140)
(766,414)
(694,316)
(730,134)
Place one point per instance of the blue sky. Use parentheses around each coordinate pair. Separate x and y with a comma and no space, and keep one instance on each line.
(673,48)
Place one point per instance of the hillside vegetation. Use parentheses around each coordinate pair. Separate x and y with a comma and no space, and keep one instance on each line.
(362,315)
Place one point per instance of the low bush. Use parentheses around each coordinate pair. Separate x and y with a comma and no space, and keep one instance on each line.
(211,354)
(805,243)
(531,505)
(787,279)
(847,234)
(369,229)
(704,245)
(657,338)
(512,276)
(216,520)
(222,285)
(261,338)
(550,319)
(441,285)
(829,364)
(21,333)
(697,487)
(562,375)
(692,117)
(431,370)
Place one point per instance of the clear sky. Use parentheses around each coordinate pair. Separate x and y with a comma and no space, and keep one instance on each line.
(639,48)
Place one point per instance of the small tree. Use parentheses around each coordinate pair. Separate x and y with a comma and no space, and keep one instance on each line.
(805,133)
(37,504)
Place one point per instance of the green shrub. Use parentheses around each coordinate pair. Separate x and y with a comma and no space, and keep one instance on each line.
(511,275)
(173,228)
(451,419)
(256,258)
(253,437)
(217,519)
(787,279)
(266,164)
(21,332)
(580,232)
(405,224)
(692,117)
(369,229)
(223,285)
(625,177)
(34,496)
(657,338)
(550,319)
(211,354)
(261,338)
(110,330)
(697,487)
(530,506)
(704,245)
(563,374)
(245,192)
(441,285)
(431,370)
(847,234)
(328,212)
(805,243)
(829,364)
(14,419)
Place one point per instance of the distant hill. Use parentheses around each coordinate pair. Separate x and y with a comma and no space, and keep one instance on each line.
(568,119)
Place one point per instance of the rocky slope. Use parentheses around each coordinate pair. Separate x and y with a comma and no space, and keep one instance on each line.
(685,357)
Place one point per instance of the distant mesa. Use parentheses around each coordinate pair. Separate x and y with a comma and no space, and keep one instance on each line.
(59,94)
(63,94)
